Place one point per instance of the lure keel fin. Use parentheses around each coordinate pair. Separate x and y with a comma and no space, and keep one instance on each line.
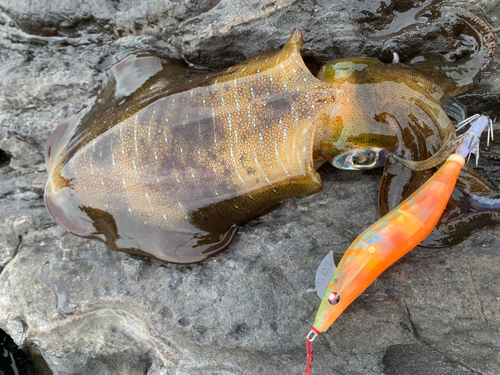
(324,274)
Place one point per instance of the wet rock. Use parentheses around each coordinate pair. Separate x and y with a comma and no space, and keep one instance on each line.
(52,18)
(88,310)
(9,240)
(22,155)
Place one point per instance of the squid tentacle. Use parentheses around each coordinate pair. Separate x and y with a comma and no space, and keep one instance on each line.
(442,234)
(448,147)
(484,203)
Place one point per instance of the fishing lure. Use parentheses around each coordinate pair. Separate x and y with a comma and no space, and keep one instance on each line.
(391,237)
(167,162)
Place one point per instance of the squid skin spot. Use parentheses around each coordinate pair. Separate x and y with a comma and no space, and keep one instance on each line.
(133,164)
(180,205)
(254,199)
(135,140)
(149,201)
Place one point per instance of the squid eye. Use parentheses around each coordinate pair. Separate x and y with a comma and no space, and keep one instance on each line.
(333,298)
(364,159)
(361,159)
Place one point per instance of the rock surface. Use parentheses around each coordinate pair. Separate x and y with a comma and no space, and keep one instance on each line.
(88,310)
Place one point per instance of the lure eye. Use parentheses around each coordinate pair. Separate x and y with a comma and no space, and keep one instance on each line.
(333,298)
(361,159)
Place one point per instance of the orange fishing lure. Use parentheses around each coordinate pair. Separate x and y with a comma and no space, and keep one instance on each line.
(394,235)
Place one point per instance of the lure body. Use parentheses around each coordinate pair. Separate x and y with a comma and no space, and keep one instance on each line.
(394,235)
(384,242)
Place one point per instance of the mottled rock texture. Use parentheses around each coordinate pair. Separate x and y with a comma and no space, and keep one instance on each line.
(88,310)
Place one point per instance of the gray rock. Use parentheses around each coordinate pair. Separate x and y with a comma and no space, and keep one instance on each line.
(88,310)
